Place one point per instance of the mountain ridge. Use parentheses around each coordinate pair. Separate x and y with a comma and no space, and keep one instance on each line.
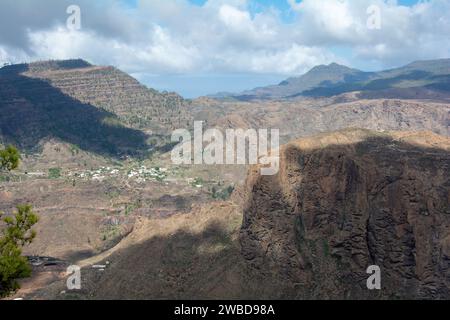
(99,108)
(335,79)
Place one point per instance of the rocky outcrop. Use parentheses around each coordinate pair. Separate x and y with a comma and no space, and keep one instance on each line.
(347,200)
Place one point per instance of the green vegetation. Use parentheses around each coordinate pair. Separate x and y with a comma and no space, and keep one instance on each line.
(9,158)
(129,208)
(326,248)
(198,182)
(222,194)
(110,232)
(16,234)
(54,173)
(74,149)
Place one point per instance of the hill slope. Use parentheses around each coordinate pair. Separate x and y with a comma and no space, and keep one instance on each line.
(306,117)
(99,109)
(339,204)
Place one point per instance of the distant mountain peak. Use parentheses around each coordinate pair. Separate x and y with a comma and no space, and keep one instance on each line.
(432,76)
(333,68)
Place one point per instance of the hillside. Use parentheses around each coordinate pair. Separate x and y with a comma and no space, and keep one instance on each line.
(99,109)
(306,117)
(427,79)
(338,205)
(341,201)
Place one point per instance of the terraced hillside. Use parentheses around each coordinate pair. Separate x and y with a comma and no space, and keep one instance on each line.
(99,109)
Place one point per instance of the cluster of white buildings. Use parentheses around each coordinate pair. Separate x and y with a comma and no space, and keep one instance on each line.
(140,174)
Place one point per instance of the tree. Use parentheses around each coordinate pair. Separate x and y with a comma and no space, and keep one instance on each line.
(9,158)
(16,234)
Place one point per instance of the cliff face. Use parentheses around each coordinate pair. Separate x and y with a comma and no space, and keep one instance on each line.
(347,200)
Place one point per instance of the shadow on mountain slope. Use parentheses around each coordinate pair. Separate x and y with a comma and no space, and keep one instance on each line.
(184,265)
(32,110)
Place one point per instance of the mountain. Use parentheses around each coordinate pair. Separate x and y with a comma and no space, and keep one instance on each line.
(305,117)
(425,79)
(344,198)
(320,76)
(97,108)
(434,67)
(340,204)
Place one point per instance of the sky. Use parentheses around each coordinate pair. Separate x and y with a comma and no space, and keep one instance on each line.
(199,47)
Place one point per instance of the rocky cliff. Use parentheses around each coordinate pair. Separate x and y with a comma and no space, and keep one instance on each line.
(344,201)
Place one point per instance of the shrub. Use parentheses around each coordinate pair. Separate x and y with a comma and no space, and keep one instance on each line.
(223,194)
(54,173)
(9,158)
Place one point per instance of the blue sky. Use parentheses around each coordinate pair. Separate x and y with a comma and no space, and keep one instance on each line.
(192,85)
(199,47)
(198,84)
(283,5)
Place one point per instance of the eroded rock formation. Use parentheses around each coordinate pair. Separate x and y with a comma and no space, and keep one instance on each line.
(347,200)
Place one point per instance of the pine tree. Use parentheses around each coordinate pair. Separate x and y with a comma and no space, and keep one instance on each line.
(9,158)
(16,234)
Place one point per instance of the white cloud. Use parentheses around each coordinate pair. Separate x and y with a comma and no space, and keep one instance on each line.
(160,36)
(162,53)
(407,33)
(294,60)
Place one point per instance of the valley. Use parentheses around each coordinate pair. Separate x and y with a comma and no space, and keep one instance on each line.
(363,180)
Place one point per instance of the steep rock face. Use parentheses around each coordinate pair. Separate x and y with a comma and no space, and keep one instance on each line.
(347,200)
